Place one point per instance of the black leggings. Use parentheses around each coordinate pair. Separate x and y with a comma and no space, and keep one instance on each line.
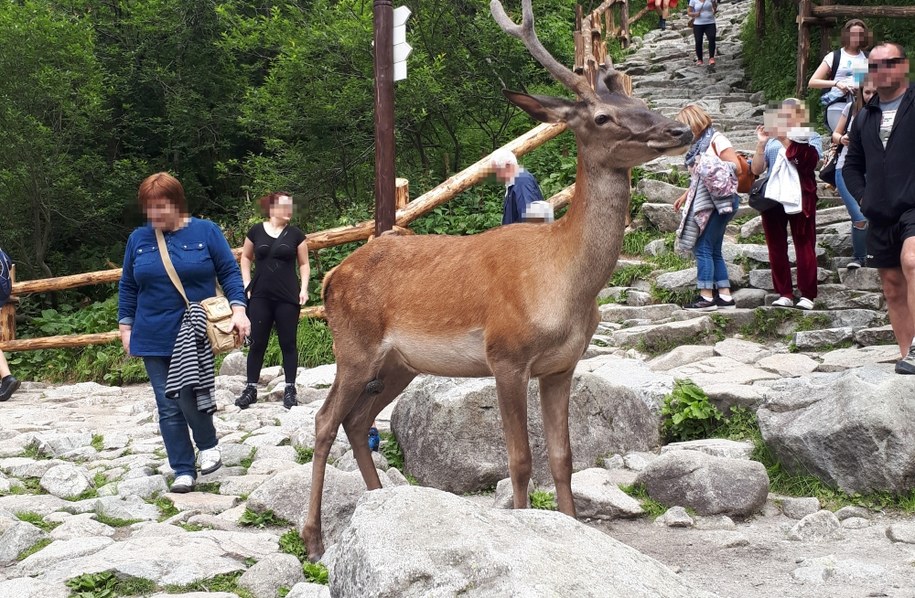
(263,313)
(709,31)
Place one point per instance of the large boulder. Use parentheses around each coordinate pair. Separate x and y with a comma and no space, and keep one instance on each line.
(851,430)
(451,434)
(710,485)
(410,541)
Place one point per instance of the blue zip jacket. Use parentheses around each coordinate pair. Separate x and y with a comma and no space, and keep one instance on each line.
(147,298)
(519,195)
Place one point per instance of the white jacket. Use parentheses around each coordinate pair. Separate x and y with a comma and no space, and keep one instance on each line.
(784,185)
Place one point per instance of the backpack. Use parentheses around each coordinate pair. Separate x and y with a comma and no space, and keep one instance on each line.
(745,176)
(719,177)
(6,280)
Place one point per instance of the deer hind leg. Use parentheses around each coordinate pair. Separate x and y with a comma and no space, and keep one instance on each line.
(511,386)
(349,385)
(392,379)
(554,404)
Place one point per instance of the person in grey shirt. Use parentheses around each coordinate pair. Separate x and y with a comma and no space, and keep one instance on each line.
(702,12)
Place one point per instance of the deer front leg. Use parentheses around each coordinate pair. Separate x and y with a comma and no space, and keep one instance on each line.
(512,390)
(554,404)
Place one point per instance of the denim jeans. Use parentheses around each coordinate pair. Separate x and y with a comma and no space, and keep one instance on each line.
(175,417)
(711,270)
(858,235)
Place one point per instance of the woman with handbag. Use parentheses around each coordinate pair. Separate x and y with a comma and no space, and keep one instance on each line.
(840,139)
(275,296)
(785,147)
(706,215)
(842,70)
(151,310)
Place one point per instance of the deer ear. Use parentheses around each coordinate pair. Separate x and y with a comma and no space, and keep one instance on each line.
(546,109)
(611,81)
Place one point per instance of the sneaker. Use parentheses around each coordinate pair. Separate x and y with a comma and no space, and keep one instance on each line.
(289,397)
(711,61)
(725,304)
(783,302)
(702,304)
(210,460)
(183,484)
(374,439)
(907,365)
(854,264)
(248,397)
(699,62)
(804,303)
(8,386)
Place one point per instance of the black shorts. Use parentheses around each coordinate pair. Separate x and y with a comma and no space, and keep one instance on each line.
(884,241)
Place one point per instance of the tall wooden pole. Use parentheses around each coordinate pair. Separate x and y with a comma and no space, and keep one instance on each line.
(384,115)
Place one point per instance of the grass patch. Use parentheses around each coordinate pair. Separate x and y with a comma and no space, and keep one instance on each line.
(166,507)
(227,582)
(634,241)
(247,461)
(757,239)
(209,487)
(29,486)
(192,527)
(85,495)
(33,548)
(32,451)
(254,519)
(625,276)
(114,521)
(651,507)
(106,584)
(37,520)
(391,450)
(98,442)
(541,499)
(304,454)
(99,480)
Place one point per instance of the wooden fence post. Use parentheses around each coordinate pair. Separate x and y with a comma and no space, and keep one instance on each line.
(760,19)
(401,193)
(624,24)
(803,46)
(8,313)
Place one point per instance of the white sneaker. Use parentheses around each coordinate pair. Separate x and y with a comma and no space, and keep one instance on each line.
(183,484)
(804,303)
(783,302)
(210,460)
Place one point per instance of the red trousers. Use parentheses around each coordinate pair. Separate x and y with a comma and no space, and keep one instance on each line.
(803,231)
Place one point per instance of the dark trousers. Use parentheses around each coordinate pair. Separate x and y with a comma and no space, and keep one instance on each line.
(710,31)
(803,231)
(264,313)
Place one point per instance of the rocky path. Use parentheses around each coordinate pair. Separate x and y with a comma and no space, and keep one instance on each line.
(84,479)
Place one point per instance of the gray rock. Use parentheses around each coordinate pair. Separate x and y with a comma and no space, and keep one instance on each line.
(807,340)
(662,216)
(852,511)
(762,279)
(901,532)
(55,444)
(27,587)
(203,502)
(80,526)
(234,364)
(675,517)
(862,279)
(504,497)
(710,485)
(728,539)
(751,227)
(659,191)
(682,355)
(661,337)
(57,552)
(850,430)
(855,523)
(638,461)
(15,538)
(321,376)
(632,374)
(66,480)
(717,447)
(145,487)
(727,395)
(414,541)
(721,370)
(451,434)
(308,590)
(789,365)
(879,335)
(684,280)
(656,247)
(844,359)
(741,350)
(129,508)
(815,571)
(715,522)
(749,298)
(596,496)
(798,508)
(837,296)
(821,526)
(271,573)
(241,485)
(24,467)
(397,478)
(614,312)
(348,461)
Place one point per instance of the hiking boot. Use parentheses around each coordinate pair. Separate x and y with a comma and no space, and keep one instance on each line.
(289,397)
(7,387)
(248,397)
(907,365)
(182,484)
(210,460)
(702,304)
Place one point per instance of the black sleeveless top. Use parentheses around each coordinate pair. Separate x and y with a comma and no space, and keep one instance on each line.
(275,277)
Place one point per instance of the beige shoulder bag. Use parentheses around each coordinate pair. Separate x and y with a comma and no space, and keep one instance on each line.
(218,311)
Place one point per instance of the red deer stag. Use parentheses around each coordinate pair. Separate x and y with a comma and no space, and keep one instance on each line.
(514,302)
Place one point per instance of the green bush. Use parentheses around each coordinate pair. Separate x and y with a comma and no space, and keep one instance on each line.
(688,414)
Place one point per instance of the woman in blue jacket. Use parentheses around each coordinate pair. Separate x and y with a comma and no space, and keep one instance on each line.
(150,311)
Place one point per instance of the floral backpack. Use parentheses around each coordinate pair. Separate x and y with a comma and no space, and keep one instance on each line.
(719,176)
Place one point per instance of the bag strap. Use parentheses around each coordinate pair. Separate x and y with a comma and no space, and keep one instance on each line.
(169,267)
(836,58)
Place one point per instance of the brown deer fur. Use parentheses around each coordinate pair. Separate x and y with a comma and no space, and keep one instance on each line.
(516,302)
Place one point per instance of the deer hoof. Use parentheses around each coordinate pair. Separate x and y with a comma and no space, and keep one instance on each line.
(374,387)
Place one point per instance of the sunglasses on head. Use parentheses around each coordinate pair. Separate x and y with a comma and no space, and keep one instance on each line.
(886,62)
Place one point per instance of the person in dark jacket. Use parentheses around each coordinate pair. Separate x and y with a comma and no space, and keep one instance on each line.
(521,188)
(879,175)
(150,312)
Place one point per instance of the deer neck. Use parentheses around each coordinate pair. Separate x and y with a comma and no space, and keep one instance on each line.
(594,226)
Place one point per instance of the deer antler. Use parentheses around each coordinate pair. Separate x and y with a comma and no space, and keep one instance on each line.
(525,32)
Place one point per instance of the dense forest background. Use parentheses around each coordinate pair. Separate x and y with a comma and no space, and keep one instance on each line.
(241,97)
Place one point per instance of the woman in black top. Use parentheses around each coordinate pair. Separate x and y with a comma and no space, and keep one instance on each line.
(275,295)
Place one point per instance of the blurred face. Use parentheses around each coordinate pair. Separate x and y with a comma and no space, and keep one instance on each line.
(868,91)
(504,174)
(778,121)
(162,213)
(856,36)
(888,70)
(282,208)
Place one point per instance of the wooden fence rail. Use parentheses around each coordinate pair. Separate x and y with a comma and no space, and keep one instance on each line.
(590,52)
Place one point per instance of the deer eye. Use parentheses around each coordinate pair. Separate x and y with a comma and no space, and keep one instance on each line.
(601,119)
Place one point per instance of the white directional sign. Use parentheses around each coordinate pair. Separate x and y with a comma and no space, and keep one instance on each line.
(401,48)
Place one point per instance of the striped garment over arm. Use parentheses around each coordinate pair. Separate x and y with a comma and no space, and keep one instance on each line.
(192,362)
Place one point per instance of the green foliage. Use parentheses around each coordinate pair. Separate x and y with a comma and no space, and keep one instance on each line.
(688,414)
(227,582)
(114,521)
(315,573)
(166,507)
(254,519)
(542,499)
(98,442)
(391,450)
(29,486)
(33,548)
(106,584)
(37,520)
(304,454)
(634,241)
(209,487)
(651,507)
(33,451)
(247,461)
(313,341)
(625,276)
(291,543)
